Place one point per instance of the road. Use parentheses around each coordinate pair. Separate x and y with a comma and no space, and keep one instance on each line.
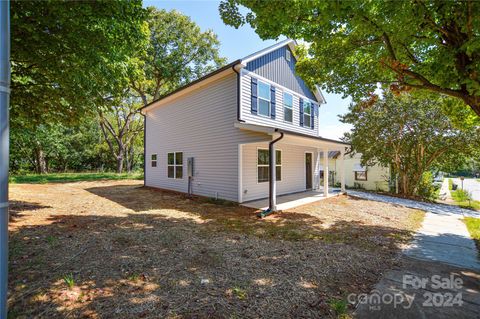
(471,185)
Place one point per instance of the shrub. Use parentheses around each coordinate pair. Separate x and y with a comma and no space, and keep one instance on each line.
(426,189)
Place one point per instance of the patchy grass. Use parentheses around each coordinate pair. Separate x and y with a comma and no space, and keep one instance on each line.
(71,177)
(463,199)
(473,226)
(103,248)
(450,184)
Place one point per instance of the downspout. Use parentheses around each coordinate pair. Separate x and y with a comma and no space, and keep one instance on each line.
(238,93)
(144,149)
(271,180)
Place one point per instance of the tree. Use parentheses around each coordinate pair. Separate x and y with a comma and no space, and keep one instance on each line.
(178,53)
(67,55)
(428,45)
(410,134)
(122,126)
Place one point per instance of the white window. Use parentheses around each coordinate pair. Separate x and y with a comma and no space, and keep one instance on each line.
(154,160)
(263,98)
(262,165)
(287,107)
(361,175)
(287,55)
(175,165)
(307,113)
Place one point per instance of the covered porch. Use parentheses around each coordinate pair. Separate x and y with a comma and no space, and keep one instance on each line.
(298,169)
(293,200)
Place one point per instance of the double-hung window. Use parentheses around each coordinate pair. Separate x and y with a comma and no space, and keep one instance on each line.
(262,165)
(287,107)
(307,113)
(154,160)
(175,165)
(264,98)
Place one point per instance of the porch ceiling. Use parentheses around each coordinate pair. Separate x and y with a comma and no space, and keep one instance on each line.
(294,137)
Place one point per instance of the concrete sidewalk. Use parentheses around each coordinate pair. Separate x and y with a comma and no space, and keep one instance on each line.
(442,247)
(444,239)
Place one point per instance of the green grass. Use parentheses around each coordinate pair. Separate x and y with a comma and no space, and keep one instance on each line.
(461,199)
(69,280)
(473,226)
(70,177)
(450,184)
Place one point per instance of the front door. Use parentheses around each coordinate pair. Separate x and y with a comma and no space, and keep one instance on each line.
(308,170)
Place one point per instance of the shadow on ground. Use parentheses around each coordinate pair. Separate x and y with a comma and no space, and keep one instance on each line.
(172,256)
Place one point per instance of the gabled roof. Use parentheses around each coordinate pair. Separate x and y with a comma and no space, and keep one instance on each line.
(242,63)
(291,44)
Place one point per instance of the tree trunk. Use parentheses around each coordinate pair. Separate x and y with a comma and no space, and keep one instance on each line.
(40,162)
(120,163)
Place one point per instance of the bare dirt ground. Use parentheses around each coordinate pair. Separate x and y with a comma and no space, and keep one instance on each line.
(114,249)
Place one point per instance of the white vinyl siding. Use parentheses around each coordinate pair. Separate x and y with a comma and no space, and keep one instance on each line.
(292,170)
(294,126)
(201,125)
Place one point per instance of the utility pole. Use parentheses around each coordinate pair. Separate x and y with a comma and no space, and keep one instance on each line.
(4,149)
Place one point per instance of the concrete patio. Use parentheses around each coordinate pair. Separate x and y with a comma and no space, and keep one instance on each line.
(289,201)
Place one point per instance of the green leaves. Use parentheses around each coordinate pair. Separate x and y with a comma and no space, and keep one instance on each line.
(409,133)
(67,55)
(427,45)
(178,52)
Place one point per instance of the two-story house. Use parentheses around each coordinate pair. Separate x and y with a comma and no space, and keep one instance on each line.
(225,134)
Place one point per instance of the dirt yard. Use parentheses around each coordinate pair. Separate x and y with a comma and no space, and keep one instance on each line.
(114,249)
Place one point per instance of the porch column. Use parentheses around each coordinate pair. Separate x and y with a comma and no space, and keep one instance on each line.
(325,172)
(342,170)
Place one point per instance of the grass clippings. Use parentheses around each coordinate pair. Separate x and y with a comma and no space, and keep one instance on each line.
(136,252)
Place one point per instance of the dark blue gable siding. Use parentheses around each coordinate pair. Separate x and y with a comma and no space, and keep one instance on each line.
(276,68)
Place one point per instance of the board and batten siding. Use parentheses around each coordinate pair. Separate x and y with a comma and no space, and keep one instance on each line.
(279,122)
(293,170)
(275,67)
(201,125)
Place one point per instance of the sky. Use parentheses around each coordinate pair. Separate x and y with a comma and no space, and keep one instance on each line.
(238,43)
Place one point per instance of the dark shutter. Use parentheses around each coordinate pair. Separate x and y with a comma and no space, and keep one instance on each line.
(301,111)
(312,120)
(254,96)
(314,113)
(272,102)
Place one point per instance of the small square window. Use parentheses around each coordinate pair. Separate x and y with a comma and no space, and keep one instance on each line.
(288,55)
(153,161)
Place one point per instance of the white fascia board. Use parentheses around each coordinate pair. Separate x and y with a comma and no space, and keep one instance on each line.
(291,43)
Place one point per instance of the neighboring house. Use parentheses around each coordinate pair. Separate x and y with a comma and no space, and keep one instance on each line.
(374,177)
(214,136)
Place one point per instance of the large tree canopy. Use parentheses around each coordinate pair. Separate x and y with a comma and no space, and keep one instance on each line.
(431,45)
(178,52)
(412,135)
(66,55)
